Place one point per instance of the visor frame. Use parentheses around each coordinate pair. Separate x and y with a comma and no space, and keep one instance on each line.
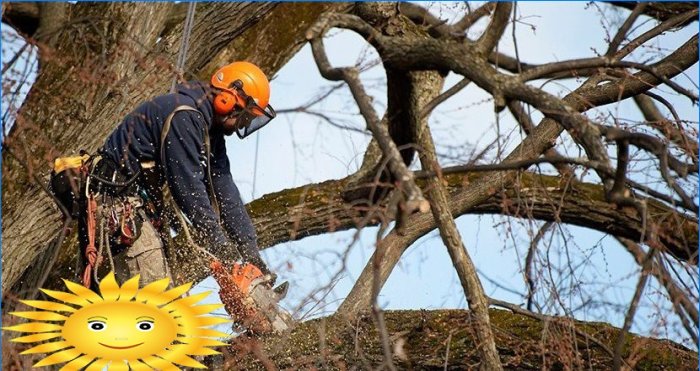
(248,122)
(248,112)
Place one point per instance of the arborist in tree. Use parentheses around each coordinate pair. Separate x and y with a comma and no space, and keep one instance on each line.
(176,142)
(236,101)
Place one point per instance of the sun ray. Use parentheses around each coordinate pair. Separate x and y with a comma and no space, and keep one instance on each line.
(128,290)
(48,305)
(205,342)
(109,288)
(66,297)
(58,357)
(181,359)
(170,295)
(193,350)
(34,327)
(83,291)
(187,302)
(36,337)
(160,364)
(205,308)
(48,347)
(211,321)
(98,365)
(40,316)
(152,290)
(78,363)
(207,332)
(139,366)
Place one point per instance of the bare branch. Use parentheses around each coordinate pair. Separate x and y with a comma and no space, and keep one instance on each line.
(466,271)
(679,299)
(499,21)
(470,18)
(667,128)
(632,310)
(443,97)
(530,262)
(662,10)
(656,31)
(622,32)
(415,200)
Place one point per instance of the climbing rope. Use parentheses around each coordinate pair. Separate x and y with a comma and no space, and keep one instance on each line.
(90,250)
(182,57)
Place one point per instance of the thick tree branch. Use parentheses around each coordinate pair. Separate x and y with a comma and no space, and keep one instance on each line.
(437,194)
(513,65)
(499,21)
(310,210)
(660,10)
(622,31)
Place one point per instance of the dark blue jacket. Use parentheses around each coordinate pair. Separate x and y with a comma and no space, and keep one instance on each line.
(137,139)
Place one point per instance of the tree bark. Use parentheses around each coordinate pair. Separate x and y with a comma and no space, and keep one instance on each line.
(439,339)
(437,195)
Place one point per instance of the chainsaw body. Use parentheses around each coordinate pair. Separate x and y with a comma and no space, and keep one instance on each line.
(250,300)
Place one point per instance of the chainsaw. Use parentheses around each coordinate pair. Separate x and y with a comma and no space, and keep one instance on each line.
(250,300)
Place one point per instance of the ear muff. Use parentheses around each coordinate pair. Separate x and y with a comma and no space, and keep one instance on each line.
(224,103)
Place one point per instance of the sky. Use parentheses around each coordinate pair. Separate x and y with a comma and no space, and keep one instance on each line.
(298,149)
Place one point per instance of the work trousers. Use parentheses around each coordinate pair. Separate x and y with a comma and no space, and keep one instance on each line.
(145,257)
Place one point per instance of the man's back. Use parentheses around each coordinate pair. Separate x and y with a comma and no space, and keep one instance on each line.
(137,138)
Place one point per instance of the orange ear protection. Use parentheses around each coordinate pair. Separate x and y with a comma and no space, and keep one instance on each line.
(225,102)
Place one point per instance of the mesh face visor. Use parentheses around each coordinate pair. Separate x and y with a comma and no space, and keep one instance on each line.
(250,122)
(252,117)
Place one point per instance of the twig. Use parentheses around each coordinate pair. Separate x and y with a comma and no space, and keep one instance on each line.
(529,262)
(643,278)
(679,299)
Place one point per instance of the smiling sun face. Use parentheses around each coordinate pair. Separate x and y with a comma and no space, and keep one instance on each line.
(121,328)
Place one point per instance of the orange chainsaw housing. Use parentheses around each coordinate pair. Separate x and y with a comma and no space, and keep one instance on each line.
(234,293)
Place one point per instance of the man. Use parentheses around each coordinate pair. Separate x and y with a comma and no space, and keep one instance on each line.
(179,138)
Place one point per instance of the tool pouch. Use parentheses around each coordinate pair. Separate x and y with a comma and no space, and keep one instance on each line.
(67,181)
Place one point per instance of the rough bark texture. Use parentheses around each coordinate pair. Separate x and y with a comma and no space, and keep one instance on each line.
(444,339)
(437,194)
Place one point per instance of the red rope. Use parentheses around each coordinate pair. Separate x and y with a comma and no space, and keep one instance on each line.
(90,250)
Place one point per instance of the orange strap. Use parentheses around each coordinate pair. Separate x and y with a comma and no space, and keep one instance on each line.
(90,250)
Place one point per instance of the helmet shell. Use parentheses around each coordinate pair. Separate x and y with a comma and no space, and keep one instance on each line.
(255,83)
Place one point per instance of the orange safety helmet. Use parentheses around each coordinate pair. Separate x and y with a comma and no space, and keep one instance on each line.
(245,87)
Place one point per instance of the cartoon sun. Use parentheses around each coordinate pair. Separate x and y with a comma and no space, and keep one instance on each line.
(122,328)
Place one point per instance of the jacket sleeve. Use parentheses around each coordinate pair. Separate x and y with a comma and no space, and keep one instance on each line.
(185,162)
(234,217)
